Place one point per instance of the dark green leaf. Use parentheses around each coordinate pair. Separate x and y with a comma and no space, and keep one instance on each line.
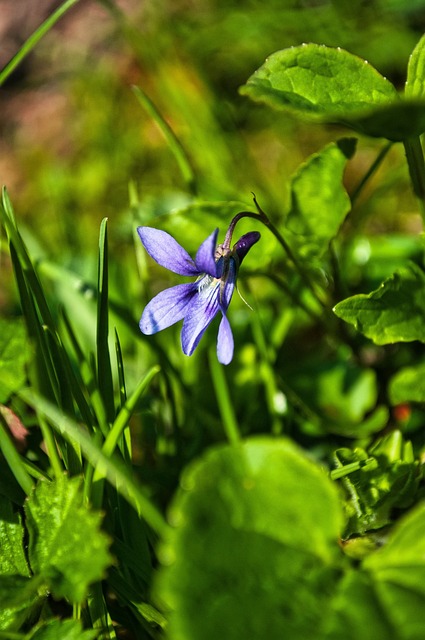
(66,545)
(392,313)
(18,594)
(254,545)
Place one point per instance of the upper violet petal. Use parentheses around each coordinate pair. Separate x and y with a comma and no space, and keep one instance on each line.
(245,243)
(225,342)
(167,308)
(201,313)
(167,252)
(205,256)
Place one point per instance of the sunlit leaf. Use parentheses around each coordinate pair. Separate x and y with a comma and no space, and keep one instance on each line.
(319,201)
(254,545)
(332,85)
(319,80)
(66,545)
(392,313)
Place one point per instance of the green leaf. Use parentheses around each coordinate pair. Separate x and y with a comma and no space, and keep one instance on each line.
(334,86)
(357,612)
(18,595)
(392,313)
(13,357)
(254,545)
(398,570)
(408,385)
(12,557)
(319,201)
(66,545)
(63,629)
(415,83)
(319,80)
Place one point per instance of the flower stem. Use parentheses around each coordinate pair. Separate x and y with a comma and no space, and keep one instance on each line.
(262,217)
(223,399)
(369,173)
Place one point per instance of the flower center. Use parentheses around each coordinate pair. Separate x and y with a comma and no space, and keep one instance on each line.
(207,285)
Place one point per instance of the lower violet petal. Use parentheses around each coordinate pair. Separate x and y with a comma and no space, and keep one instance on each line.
(167,308)
(225,342)
(197,320)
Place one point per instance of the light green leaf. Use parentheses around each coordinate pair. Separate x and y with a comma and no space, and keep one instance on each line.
(319,201)
(66,545)
(319,80)
(408,385)
(334,86)
(254,545)
(63,629)
(394,312)
(13,357)
(415,83)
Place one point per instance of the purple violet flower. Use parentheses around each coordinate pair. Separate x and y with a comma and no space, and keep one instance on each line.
(198,302)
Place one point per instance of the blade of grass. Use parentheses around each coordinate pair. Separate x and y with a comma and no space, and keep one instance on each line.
(34,38)
(104,368)
(173,142)
(116,472)
(116,431)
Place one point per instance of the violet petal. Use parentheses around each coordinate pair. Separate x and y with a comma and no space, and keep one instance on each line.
(205,257)
(228,284)
(201,313)
(167,308)
(167,252)
(245,243)
(225,342)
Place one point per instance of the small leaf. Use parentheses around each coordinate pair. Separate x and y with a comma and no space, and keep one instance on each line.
(66,545)
(415,83)
(254,545)
(319,201)
(408,385)
(392,313)
(13,357)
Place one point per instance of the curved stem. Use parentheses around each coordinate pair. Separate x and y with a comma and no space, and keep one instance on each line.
(262,217)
